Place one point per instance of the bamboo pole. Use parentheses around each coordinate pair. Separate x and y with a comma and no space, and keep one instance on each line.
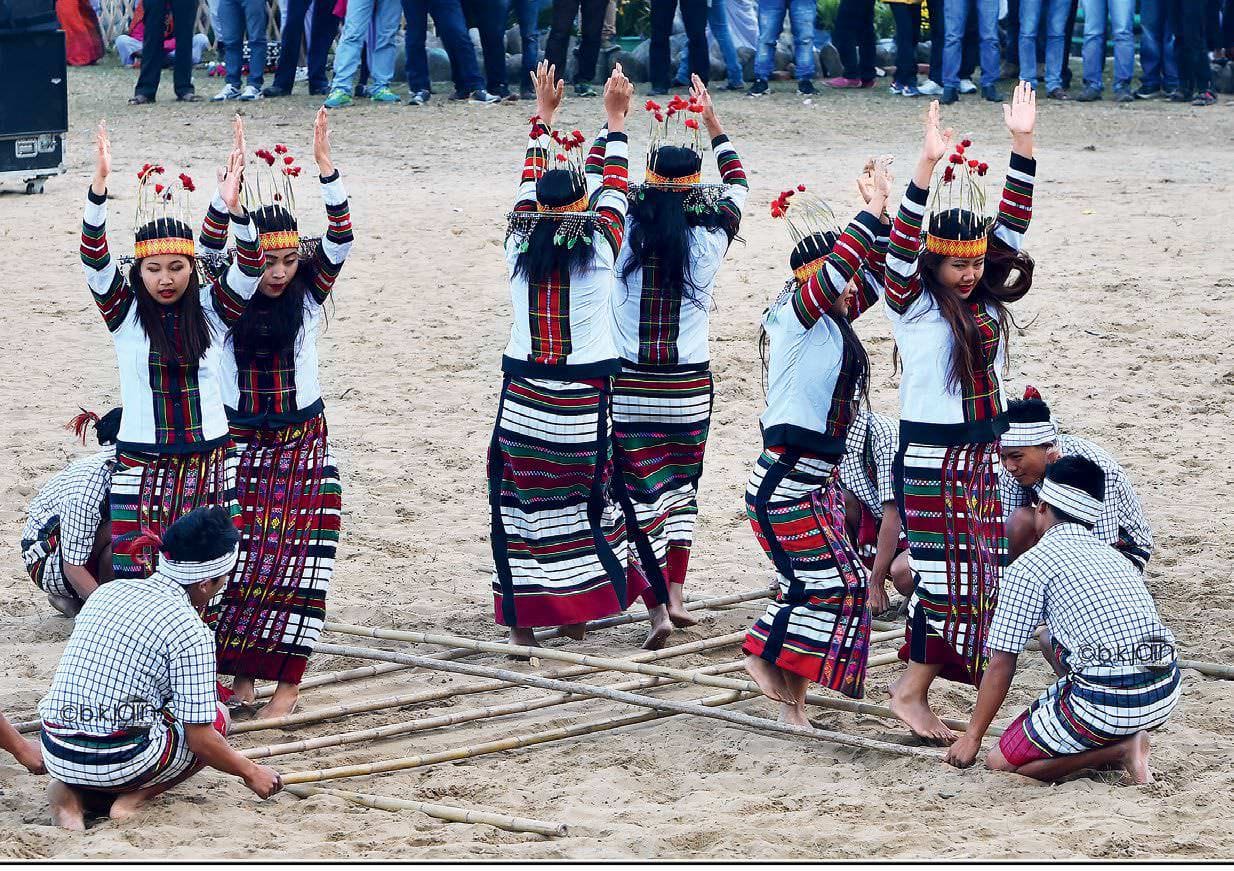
(756,724)
(455,718)
(387,702)
(438,811)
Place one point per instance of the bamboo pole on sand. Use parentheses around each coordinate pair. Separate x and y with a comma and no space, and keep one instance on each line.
(439,811)
(452,719)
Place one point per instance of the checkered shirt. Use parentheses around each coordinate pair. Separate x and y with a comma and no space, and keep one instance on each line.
(1122,522)
(1093,601)
(869,454)
(138,648)
(76,496)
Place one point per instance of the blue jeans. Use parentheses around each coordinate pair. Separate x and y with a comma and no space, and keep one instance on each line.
(239,17)
(452,31)
(529,29)
(717,24)
(955,19)
(385,14)
(1055,14)
(801,15)
(1122,14)
(1159,68)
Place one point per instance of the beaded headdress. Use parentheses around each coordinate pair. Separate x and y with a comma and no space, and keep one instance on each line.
(163,213)
(958,225)
(573,217)
(270,183)
(675,155)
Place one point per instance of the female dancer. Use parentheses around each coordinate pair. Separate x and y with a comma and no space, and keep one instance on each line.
(558,538)
(818,628)
(172,450)
(679,232)
(948,307)
(271,613)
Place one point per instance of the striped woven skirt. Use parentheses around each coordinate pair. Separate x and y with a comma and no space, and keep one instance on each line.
(1088,711)
(558,534)
(661,416)
(153,491)
(819,625)
(957,549)
(271,613)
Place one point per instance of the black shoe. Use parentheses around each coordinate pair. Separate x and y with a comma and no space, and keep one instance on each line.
(1123,96)
(758,88)
(950,95)
(805,88)
(1204,98)
(188,97)
(990,93)
(1179,97)
(1143,93)
(1058,94)
(275,91)
(657,92)
(1089,95)
(319,92)
(419,98)
(584,89)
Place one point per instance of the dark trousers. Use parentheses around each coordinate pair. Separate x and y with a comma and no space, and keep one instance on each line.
(325,28)
(908,21)
(1075,5)
(1191,46)
(152,55)
(489,17)
(854,38)
(1227,28)
(589,39)
(694,17)
(968,56)
(452,31)
(1011,34)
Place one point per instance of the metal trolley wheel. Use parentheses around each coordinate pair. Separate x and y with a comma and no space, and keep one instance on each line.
(34,186)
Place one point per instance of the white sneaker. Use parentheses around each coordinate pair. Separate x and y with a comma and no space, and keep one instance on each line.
(229,92)
(967,86)
(930,88)
(250,92)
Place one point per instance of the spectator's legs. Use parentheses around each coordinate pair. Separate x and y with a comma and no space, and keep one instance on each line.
(864,32)
(351,44)
(529,30)
(489,17)
(1030,18)
(662,12)
(955,18)
(127,47)
(1227,28)
(987,21)
(1122,19)
(1094,43)
(844,37)
(1194,72)
(590,22)
(256,19)
(290,39)
(388,14)
(451,28)
(325,28)
(770,22)
(608,30)
(1055,35)
(907,19)
(559,34)
(717,22)
(1011,49)
(201,42)
(694,17)
(1071,16)
(231,16)
(416,58)
(935,9)
(1152,43)
(151,51)
(801,15)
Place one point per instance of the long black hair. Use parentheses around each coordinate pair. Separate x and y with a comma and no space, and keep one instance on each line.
(271,325)
(659,229)
(543,257)
(192,338)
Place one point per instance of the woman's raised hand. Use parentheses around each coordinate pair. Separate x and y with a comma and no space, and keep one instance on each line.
(550,91)
(875,184)
(701,96)
(102,160)
(618,92)
(1021,118)
(231,178)
(936,141)
(321,144)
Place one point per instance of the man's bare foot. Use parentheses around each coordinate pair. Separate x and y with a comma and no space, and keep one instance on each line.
(921,721)
(282,703)
(68,809)
(1135,759)
(794,715)
(243,689)
(66,605)
(522,637)
(128,803)
(574,630)
(677,609)
(769,679)
(661,628)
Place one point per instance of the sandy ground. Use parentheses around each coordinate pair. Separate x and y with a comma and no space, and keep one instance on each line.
(1126,332)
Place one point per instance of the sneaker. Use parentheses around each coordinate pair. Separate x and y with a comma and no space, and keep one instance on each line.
(1204,98)
(1143,93)
(735,86)
(758,88)
(805,88)
(1178,97)
(990,93)
(337,98)
(483,97)
(419,98)
(250,92)
(1123,96)
(950,95)
(910,91)
(842,82)
(584,89)
(229,92)
(275,91)
(930,88)
(896,88)
(1058,94)
(967,86)
(1089,95)
(384,95)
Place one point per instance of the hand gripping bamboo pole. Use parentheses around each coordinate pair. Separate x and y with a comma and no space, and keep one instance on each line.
(439,811)
(454,718)
(387,702)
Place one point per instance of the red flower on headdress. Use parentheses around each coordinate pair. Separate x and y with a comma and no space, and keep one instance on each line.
(692,123)
(983,168)
(672,110)
(579,138)
(955,158)
(561,158)
(696,108)
(801,188)
(293,171)
(187,183)
(278,198)
(777,210)
(280,149)
(959,149)
(651,106)
(289,160)
(948,175)
(1031,392)
(158,169)
(659,117)
(158,188)
(966,142)
(973,164)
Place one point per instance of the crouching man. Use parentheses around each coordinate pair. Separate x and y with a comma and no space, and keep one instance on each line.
(133,708)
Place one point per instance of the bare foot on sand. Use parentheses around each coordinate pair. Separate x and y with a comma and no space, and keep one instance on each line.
(282,703)
(661,628)
(794,715)
(921,721)
(769,679)
(676,608)
(68,810)
(129,803)
(521,637)
(1135,759)
(243,689)
(574,630)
